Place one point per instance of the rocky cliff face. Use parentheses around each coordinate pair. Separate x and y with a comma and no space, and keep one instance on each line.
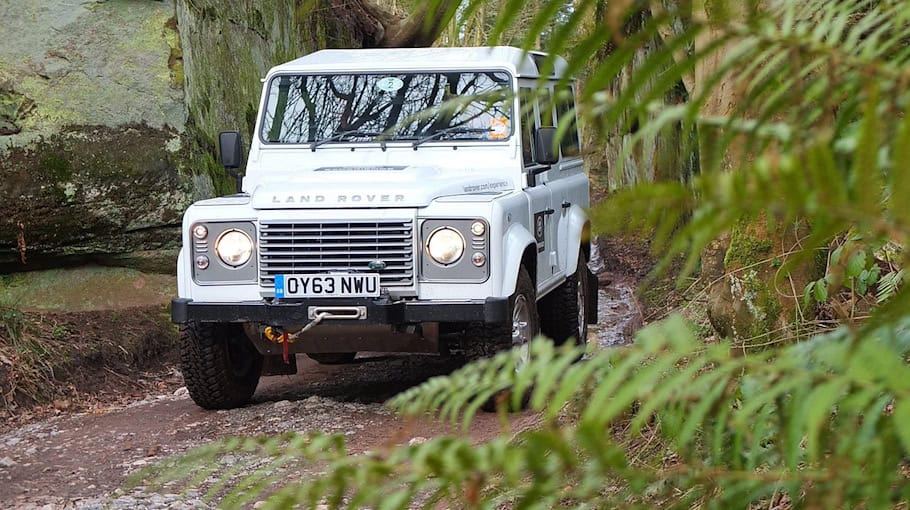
(93,157)
(229,46)
(109,112)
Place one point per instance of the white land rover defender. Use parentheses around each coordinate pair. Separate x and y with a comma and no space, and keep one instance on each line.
(393,199)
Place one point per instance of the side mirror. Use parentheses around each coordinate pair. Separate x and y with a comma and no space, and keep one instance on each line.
(545,150)
(231,146)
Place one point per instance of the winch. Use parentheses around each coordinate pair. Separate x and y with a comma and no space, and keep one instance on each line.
(279,336)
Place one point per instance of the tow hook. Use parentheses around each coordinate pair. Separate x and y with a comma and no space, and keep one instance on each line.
(279,336)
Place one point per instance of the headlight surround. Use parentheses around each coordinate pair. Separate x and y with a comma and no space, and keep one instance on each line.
(445,245)
(234,247)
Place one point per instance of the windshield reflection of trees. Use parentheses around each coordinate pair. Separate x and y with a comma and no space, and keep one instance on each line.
(304,109)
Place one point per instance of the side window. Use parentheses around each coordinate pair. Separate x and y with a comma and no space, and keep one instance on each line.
(527,124)
(565,111)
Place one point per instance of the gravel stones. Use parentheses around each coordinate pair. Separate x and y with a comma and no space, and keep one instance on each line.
(81,460)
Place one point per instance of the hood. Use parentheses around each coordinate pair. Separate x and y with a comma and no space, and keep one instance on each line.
(378,186)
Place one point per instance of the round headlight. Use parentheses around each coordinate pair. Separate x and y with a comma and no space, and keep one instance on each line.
(234,247)
(445,245)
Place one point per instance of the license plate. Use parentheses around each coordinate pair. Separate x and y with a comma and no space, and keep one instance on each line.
(327,285)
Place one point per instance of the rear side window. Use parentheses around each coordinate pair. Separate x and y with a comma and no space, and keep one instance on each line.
(565,111)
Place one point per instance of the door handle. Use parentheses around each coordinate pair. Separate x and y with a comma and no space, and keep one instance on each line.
(549,211)
(566,204)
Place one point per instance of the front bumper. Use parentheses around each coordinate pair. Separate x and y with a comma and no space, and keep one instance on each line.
(378,311)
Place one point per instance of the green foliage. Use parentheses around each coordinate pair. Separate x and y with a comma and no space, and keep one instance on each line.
(11,321)
(854,267)
(889,284)
(820,424)
(818,133)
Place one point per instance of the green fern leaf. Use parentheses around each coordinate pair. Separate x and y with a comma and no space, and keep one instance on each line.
(818,412)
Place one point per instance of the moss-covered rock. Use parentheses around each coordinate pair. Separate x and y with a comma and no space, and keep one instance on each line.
(89,63)
(92,191)
(95,160)
(753,294)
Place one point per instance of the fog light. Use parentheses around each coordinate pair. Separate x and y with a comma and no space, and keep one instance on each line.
(478,228)
(200,232)
(202,262)
(478,259)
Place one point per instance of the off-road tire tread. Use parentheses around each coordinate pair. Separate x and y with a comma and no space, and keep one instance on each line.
(483,340)
(559,309)
(206,368)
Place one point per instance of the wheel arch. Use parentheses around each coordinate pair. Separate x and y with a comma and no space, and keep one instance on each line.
(579,238)
(519,250)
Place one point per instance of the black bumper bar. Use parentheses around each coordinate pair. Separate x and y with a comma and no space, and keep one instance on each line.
(490,310)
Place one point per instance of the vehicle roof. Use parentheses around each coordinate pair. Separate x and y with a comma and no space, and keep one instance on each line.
(515,60)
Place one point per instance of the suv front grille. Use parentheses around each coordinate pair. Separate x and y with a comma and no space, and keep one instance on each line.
(287,247)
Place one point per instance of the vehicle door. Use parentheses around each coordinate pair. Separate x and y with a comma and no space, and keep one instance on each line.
(567,181)
(541,211)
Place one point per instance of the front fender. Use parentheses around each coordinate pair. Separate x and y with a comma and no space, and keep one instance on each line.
(515,242)
(578,230)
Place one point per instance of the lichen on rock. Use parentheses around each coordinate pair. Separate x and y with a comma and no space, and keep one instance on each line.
(755,293)
(76,70)
(95,159)
(90,191)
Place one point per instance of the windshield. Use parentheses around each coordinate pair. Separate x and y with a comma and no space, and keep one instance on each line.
(399,106)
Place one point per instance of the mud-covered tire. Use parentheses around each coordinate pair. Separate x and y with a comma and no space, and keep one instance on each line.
(220,365)
(333,358)
(483,340)
(563,312)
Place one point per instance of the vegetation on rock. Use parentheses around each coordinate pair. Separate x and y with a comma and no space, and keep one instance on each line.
(91,134)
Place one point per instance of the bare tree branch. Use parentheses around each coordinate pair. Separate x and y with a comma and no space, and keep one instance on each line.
(421,27)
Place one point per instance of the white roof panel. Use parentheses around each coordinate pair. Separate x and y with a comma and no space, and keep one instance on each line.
(516,60)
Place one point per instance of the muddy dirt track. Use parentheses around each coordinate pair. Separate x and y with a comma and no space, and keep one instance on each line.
(73,458)
(79,460)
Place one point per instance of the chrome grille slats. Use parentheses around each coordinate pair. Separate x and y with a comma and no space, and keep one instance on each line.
(304,247)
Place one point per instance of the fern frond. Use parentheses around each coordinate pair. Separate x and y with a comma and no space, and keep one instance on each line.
(822,405)
(819,132)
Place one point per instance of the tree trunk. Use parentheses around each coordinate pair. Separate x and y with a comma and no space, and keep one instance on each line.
(422,27)
(669,155)
(749,299)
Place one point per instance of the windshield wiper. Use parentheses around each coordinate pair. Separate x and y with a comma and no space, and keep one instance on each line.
(454,130)
(337,137)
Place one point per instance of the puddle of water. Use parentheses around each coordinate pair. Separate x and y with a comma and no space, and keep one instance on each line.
(618,317)
(618,314)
